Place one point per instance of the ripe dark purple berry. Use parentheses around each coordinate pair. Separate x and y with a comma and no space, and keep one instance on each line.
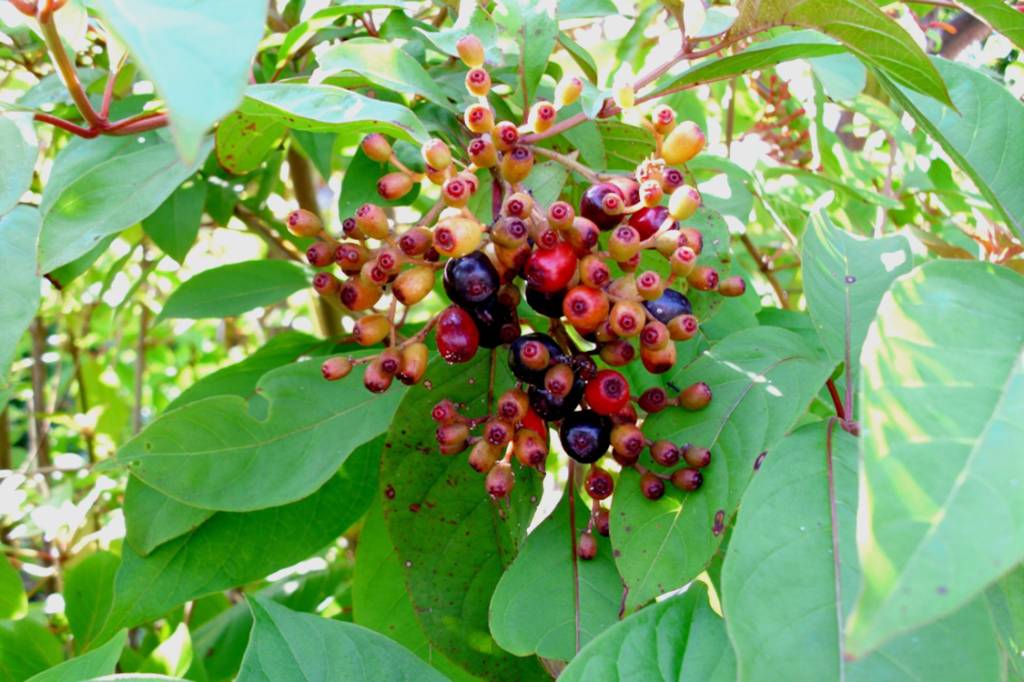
(670,304)
(470,279)
(586,435)
(593,205)
(550,407)
(549,304)
(523,368)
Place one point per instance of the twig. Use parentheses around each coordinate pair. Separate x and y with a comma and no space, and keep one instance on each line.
(39,438)
(766,269)
(256,224)
(68,72)
(570,490)
(83,396)
(569,163)
(140,366)
(6,460)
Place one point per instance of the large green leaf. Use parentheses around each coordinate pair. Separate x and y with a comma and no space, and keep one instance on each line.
(433,502)
(536,31)
(242,142)
(174,226)
(380,600)
(779,583)
(230,290)
(101,661)
(99,187)
(26,649)
(1005,601)
(789,46)
(18,151)
(13,602)
(88,593)
(845,278)
(533,609)
(153,518)
(681,638)
(231,549)
(860,25)
(196,53)
(942,397)
(546,181)
(213,453)
(327,108)
(383,63)
(286,644)
(1001,16)
(762,380)
(980,135)
(19,286)
(625,145)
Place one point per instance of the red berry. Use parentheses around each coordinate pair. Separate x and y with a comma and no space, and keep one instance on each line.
(647,220)
(665,453)
(697,457)
(602,521)
(653,400)
(457,335)
(500,480)
(336,368)
(599,483)
(651,486)
(445,412)
(549,270)
(696,396)
(320,254)
(585,308)
(687,479)
(586,548)
(303,223)
(607,393)
(732,286)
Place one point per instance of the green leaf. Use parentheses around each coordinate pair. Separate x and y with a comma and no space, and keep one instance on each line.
(779,583)
(213,453)
(241,378)
(860,25)
(174,226)
(842,75)
(681,638)
(300,34)
(762,380)
(318,148)
(153,518)
(135,677)
(285,644)
(88,592)
(99,187)
(101,661)
(19,286)
(978,136)
(18,151)
(173,656)
(380,600)
(1005,601)
(845,278)
(1001,16)
(585,9)
(359,185)
(784,48)
(625,145)
(532,609)
(546,181)
(13,602)
(946,512)
(242,142)
(197,56)
(232,549)
(431,502)
(230,290)
(382,63)
(327,108)
(536,31)
(579,55)
(26,649)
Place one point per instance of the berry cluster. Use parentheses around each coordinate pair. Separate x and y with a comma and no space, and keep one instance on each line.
(581,269)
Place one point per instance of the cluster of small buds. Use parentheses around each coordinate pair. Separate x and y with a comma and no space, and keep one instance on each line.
(581,269)
(784,124)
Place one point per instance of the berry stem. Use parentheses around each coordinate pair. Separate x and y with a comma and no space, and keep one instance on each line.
(765,266)
(66,125)
(836,400)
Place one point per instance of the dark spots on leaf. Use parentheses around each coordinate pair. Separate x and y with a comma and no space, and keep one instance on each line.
(414,507)
(616,553)
(941,589)
(850,279)
(428,384)
(760,460)
(389,492)
(719,525)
